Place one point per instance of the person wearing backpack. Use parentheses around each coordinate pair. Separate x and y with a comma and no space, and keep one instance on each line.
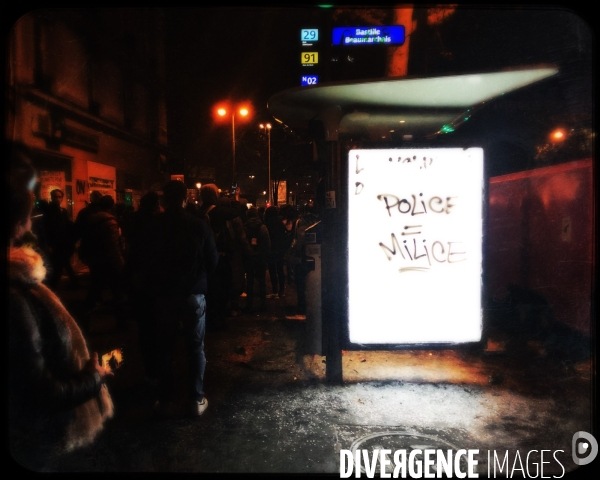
(180,257)
(297,251)
(277,234)
(255,262)
(225,223)
(104,257)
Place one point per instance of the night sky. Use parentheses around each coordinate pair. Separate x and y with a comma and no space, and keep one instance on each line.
(218,54)
(253,53)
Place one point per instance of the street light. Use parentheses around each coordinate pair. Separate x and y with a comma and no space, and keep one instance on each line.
(242,110)
(558,135)
(267,128)
(198,187)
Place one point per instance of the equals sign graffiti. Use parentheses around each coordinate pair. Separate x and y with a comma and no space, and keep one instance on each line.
(406,227)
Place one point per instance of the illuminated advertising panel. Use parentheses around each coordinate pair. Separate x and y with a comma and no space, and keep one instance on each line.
(389,35)
(282,192)
(415,245)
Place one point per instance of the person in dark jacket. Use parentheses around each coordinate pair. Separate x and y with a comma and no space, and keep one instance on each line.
(136,236)
(57,397)
(236,256)
(180,257)
(256,261)
(81,221)
(139,293)
(278,237)
(225,285)
(60,238)
(297,250)
(289,217)
(101,251)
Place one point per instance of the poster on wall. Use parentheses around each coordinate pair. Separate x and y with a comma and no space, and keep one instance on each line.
(102,178)
(50,181)
(281,192)
(415,245)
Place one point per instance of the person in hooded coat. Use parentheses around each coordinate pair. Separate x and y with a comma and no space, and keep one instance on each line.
(57,397)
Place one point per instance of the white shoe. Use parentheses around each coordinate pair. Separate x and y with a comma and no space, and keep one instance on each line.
(200,407)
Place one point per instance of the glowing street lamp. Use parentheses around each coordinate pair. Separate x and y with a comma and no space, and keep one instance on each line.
(267,128)
(558,135)
(224,110)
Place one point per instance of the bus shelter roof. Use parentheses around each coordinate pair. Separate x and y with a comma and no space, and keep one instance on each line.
(406,106)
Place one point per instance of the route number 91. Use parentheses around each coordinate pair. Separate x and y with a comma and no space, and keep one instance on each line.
(309,58)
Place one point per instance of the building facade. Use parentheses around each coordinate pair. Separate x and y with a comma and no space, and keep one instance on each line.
(86,91)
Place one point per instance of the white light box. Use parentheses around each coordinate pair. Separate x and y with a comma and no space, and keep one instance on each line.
(415,245)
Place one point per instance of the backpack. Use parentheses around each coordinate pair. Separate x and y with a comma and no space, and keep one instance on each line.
(297,246)
(253,237)
(177,258)
(225,239)
(92,241)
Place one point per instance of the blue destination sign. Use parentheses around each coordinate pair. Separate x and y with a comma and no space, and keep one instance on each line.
(309,80)
(390,35)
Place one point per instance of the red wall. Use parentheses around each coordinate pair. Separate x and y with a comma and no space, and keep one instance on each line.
(540,237)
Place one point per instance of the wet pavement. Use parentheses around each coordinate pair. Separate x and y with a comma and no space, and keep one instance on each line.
(271,411)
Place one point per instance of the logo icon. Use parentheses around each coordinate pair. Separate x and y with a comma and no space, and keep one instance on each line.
(584,448)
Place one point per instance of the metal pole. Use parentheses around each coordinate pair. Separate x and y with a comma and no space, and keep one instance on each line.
(269,156)
(233,147)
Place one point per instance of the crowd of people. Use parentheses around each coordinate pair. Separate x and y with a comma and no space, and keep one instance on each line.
(107,238)
(172,266)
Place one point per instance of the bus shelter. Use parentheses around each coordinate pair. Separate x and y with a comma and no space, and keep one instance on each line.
(404,225)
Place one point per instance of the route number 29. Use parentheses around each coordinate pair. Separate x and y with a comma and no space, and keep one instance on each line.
(309,34)
(309,58)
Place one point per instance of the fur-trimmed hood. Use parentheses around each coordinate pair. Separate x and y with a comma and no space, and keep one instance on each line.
(25,266)
(26,272)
